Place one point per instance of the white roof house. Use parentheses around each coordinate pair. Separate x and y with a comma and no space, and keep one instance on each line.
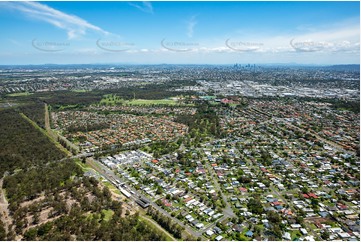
(219,237)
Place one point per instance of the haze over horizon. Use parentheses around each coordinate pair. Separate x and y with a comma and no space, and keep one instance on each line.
(324,33)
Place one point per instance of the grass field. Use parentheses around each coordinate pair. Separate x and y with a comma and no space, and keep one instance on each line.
(65,107)
(112,100)
(83,166)
(78,90)
(107,214)
(215,103)
(152,102)
(154,225)
(295,234)
(19,94)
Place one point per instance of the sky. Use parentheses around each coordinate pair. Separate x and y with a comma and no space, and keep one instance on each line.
(179,32)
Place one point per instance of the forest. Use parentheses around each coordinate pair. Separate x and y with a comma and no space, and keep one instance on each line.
(78,100)
(56,202)
(204,122)
(23,146)
(166,222)
(35,111)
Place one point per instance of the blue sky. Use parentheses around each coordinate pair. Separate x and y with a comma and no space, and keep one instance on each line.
(179,32)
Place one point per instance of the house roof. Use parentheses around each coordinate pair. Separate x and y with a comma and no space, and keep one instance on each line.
(305,196)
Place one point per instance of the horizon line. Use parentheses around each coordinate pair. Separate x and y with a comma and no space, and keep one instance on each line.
(194,64)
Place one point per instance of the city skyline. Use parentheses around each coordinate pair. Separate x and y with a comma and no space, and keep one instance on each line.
(180,32)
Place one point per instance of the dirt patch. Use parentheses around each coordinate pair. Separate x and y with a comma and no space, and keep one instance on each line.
(45,221)
(4,208)
(116,196)
(36,200)
(128,207)
(90,197)
(70,203)
(43,217)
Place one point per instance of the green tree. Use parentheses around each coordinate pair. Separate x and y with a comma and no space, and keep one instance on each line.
(325,235)
(273,216)
(255,206)
(30,234)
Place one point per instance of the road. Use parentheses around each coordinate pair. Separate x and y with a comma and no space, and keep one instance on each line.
(279,195)
(212,224)
(110,176)
(227,211)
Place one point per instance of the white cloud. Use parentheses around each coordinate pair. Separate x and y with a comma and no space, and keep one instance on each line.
(73,25)
(145,6)
(339,38)
(332,40)
(190,26)
(342,39)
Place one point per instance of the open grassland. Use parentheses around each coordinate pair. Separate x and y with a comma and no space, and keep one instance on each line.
(79,90)
(152,102)
(20,94)
(112,100)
